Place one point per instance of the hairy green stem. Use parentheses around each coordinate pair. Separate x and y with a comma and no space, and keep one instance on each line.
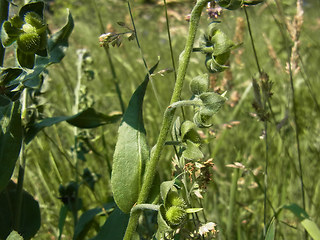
(168,117)
(4,12)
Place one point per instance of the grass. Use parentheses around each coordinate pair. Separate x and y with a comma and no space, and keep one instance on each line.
(49,161)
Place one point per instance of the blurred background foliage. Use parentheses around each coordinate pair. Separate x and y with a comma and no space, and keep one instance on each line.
(236,136)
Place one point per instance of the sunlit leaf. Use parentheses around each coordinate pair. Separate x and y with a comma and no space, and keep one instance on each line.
(131,152)
(88,118)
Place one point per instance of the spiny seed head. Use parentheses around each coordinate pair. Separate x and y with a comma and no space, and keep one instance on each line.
(173,199)
(175,215)
(34,20)
(29,42)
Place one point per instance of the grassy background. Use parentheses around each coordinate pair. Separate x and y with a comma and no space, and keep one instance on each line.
(49,156)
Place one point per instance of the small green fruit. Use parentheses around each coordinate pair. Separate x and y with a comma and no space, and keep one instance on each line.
(29,42)
(34,20)
(175,215)
(173,199)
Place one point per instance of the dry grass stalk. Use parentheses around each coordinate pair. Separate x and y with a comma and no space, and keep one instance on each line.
(294,31)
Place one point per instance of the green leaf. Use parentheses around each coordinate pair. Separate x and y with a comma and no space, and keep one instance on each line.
(193,210)
(58,43)
(271,230)
(62,219)
(165,187)
(114,227)
(189,132)
(36,7)
(192,151)
(305,220)
(163,227)
(25,60)
(9,74)
(84,222)
(14,236)
(29,215)
(199,84)
(131,152)
(212,101)
(88,118)
(10,140)
(9,33)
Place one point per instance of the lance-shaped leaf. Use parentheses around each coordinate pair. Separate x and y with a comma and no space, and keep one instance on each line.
(131,152)
(89,118)
(10,140)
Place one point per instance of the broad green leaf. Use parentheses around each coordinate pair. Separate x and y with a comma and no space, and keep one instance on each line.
(88,118)
(271,230)
(14,236)
(10,140)
(305,220)
(131,152)
(29,215)
(115,226)
(192,151)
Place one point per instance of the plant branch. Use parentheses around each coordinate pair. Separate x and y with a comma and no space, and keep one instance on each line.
(168,117)
(113,71)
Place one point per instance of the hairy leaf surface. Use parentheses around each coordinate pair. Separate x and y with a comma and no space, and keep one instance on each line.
(131,152)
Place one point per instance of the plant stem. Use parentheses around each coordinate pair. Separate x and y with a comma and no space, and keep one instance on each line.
(4,12)
(265,99)
(232,201)
(22,164)
(142,56)
(168,117)
(113,71)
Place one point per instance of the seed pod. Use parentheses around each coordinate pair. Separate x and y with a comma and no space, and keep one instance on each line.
(29,42)
(173,199)
(175,215)
(34,20)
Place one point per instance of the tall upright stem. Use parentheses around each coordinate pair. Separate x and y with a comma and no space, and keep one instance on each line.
(4,12)
(168,117)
